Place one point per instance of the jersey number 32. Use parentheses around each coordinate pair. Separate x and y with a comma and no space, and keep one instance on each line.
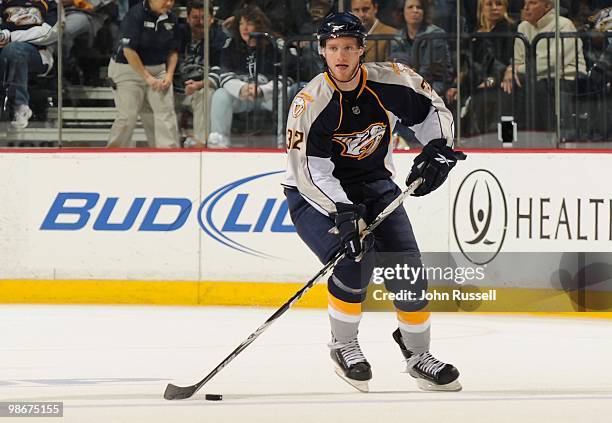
(294,139)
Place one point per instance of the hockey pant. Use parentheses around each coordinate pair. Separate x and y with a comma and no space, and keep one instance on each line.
(392,243)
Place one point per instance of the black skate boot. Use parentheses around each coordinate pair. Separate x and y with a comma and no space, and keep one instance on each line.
(431,374)
(350,364)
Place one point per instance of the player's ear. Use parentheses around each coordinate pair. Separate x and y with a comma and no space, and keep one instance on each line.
(362,47)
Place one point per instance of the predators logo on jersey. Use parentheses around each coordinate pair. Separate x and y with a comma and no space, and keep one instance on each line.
(359,145)
(300,103)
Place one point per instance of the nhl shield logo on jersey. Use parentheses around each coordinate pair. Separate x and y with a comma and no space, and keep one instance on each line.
(359,145)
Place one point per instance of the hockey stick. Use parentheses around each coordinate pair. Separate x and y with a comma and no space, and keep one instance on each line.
(177,392)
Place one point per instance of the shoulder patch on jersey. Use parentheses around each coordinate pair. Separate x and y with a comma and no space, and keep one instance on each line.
(398,68)
(359,145)
(300,103)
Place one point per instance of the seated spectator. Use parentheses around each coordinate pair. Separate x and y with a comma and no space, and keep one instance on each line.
(539,17)
(307,17)
(142,70)
(82,17)
(599,54)
(241,61)
(366,10)
(602,20)
(25,31)
(277,12)
(191,63)
(483,67)
(433,57)
(391,12)
(579,11)
(470,12)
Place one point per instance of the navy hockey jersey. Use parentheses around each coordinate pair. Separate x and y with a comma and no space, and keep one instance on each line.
(339,138)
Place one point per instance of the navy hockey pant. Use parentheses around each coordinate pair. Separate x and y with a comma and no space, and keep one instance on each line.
(393,242)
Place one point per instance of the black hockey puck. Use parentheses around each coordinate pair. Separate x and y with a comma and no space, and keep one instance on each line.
(213,397)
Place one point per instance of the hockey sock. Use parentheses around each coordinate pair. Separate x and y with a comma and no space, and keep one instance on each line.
(344,318)
(415,330)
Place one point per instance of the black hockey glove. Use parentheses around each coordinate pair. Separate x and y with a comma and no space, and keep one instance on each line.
(347,221)
(433,165)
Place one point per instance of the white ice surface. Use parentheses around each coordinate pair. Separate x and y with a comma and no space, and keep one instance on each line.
(111,364)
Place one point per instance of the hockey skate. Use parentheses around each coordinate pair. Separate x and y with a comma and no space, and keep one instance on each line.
(430,373)
(351,364)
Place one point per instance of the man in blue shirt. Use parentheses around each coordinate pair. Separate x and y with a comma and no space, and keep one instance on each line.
(142,69)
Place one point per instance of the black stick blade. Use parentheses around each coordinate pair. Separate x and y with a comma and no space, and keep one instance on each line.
(174,392)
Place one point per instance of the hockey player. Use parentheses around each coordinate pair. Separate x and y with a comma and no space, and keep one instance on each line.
(339,179)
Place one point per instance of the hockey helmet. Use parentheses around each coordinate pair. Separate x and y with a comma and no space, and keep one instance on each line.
(344,24)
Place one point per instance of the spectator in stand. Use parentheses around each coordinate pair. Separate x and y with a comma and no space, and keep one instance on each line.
(241,61)
(277,12)
(601,70)
(391,12)
(191,63)
(582,12)
(483,67)
(26,29)
(367,10)
(142,70)
(539,17)
(470,10)
(434,62)
(82,17)
(307,17)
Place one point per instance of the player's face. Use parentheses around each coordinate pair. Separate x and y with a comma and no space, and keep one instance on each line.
(533,10)
(413,12)
(365,10)
(342,56)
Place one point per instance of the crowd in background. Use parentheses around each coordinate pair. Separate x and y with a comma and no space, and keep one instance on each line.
(155,55)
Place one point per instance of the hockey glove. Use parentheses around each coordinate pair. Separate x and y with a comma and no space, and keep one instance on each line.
(433,165)
(348,220)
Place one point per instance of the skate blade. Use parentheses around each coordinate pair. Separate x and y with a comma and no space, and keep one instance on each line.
(426,385)
(360,385)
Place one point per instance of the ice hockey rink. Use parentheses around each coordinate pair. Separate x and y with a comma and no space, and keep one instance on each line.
(112,363)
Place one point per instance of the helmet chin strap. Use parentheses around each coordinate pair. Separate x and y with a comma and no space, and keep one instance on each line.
(357,69)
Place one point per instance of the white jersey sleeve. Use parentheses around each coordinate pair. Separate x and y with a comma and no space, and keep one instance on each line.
(312,120)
